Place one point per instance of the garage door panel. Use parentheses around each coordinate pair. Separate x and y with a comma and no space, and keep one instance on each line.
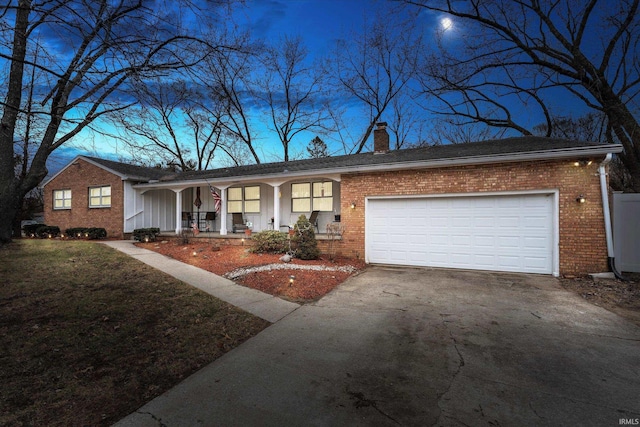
(505,233)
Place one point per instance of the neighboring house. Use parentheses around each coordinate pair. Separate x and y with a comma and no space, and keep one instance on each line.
(527,204)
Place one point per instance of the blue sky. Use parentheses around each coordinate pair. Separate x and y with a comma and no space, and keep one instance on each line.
(320,23)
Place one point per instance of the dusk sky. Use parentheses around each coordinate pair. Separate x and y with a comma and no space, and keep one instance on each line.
(319,22)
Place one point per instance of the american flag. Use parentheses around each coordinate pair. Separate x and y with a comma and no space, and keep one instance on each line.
(216,198)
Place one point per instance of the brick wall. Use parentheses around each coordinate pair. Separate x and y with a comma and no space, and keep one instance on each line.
(582,236)
(79,177)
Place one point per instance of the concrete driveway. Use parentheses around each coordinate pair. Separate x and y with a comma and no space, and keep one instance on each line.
(422,347)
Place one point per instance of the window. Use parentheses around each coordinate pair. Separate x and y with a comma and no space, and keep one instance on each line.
(100,197)
(307,197)
(301,197)
(323,196)
(61,199)
(252,199)
(234,204)
(247,198)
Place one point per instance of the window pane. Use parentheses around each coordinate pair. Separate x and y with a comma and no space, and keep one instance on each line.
(234,206)
(67,203)
(106,201)
(106,191)
(66,194)
(57,203)
(94,201)
(300,190)
(252,206)
(301,205)
(93,192)
(323,204)
(252,193)
(235,194)
(322,189)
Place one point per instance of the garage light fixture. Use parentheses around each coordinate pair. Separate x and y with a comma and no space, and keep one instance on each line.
(583,162)
(353,205)
(580,199)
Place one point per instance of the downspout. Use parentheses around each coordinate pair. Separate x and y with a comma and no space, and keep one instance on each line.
(607,216)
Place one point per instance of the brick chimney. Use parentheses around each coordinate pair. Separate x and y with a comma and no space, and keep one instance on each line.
(381,139)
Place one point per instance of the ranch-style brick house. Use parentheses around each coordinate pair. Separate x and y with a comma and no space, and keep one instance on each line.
(527,204)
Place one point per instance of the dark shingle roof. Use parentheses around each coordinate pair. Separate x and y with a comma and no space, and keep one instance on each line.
(141,173)
(498,147)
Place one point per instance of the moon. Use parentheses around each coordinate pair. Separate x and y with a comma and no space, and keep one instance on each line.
(446,23)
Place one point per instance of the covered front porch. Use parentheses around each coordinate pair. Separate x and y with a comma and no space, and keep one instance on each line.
(219,209)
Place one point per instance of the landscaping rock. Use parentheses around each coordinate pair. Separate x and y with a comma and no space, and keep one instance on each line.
(285,258)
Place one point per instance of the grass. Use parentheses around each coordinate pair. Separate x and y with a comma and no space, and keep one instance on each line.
(88,335)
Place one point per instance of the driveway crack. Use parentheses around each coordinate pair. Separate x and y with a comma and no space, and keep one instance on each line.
(362,402)
(457,371)
(158,420)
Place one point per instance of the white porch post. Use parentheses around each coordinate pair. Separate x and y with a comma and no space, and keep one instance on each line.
(223,211)
(178,211)
(276,207)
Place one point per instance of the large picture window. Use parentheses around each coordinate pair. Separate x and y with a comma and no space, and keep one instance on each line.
(62,199)
(307,197)
(243,199)
(100,197)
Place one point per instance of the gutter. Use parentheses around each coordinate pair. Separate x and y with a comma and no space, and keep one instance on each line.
(607,216)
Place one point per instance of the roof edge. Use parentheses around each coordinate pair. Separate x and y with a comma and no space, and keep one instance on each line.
(555,154)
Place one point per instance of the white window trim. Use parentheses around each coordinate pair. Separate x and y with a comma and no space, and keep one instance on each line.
(312,197)
(63,199)
(243,200)
(101,205)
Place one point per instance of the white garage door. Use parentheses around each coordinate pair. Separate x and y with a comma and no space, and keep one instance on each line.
(502,233)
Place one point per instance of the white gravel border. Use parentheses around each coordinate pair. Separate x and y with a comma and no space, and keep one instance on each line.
(239,272)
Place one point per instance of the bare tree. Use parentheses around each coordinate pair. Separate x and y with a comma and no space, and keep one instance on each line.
(527,51)
(291,88)
(224,78)
(375,66)
(171,126)
(317,148)
(95,48)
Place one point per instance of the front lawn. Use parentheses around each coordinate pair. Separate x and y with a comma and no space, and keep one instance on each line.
(88,334)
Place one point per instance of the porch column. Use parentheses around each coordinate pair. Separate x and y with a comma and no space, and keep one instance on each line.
(223,211)
(276,207)
(178,211)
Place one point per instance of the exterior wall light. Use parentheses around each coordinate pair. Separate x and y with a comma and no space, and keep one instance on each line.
(580,199)
(353,205)
(583,163)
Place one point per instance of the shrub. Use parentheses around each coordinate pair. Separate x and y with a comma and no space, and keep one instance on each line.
(45,231)
(149,234)
(75,232)
(31,229)
(86,233)
(96,233)
(270,241)
(304,239)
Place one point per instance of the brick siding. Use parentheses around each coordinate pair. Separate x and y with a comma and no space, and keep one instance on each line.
(582,244)
(78,177)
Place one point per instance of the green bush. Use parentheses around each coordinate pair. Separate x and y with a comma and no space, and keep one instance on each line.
(31,229)
(91,233)
(142,234)
(45,231)
(270,241)
(75,232)
(304,240)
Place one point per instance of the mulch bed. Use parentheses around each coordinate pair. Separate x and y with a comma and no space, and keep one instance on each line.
(307,285)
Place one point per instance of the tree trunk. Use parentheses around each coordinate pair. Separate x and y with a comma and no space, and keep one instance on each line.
(10,191)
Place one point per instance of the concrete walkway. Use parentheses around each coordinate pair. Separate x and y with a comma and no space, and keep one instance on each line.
(255,302)
(417,347)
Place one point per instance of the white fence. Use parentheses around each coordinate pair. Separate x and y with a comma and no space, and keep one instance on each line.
(626,231)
